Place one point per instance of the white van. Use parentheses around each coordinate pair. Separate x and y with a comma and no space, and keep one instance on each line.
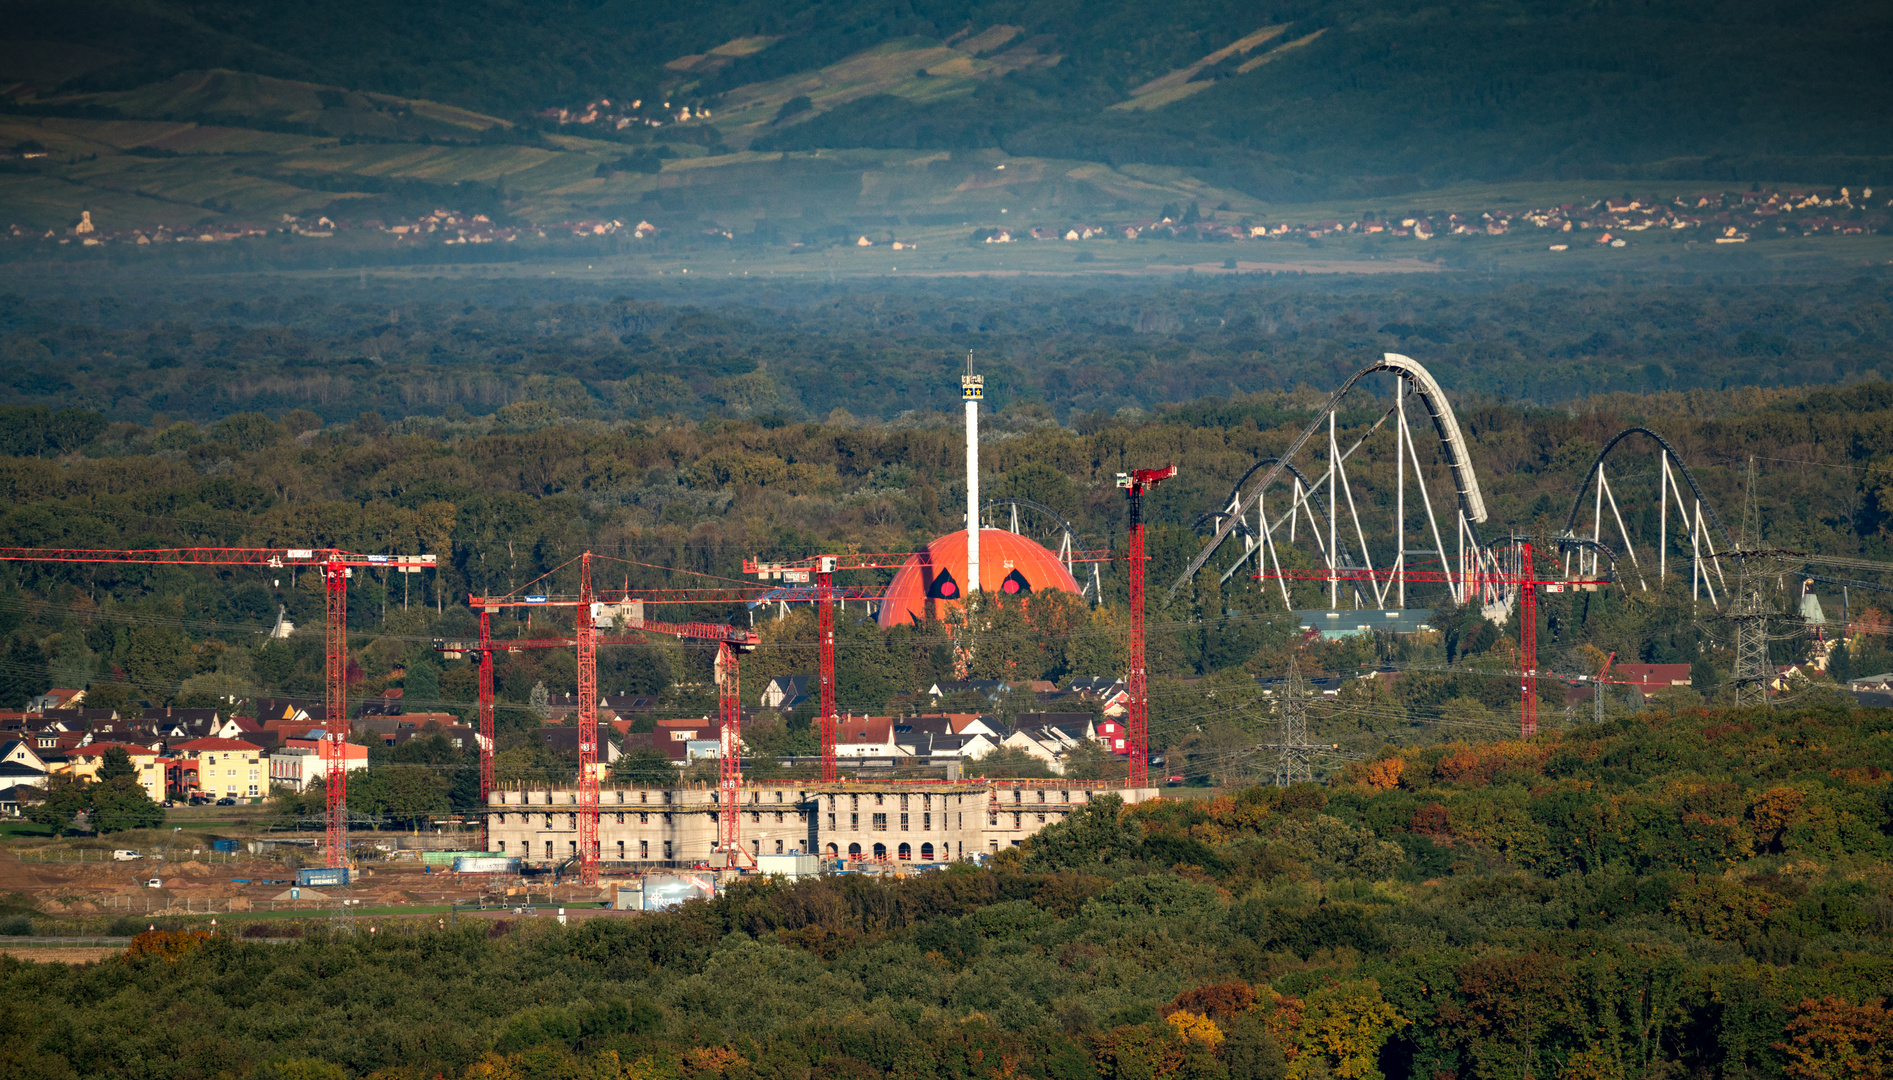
(126,855)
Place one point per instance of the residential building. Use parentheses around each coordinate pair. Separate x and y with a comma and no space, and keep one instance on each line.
(1649,678)
(865,736)
(300,762)
(21,765)
(566,739)
(1112,695)
(785,692)
(84,764)
(55,699)
(991,688)
(226,768)
(270,710)
(616,706)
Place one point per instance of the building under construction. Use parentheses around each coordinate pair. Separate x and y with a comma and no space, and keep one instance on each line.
(737,822)
(889,821)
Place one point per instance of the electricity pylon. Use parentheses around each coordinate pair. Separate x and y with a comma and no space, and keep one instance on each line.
(1293,764)
(1750,610)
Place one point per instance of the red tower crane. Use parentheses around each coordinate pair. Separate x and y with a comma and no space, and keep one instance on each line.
(821,569)
(1527,643)
(1135,484)
(336,567)
(1525,580)
(732,644)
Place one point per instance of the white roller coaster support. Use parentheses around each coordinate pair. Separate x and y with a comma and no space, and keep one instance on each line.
(1268,540)
(1698,577)
(1597,518)
(1465,577)
(1419,480)
(1248,541)
(1400,486)
(1262,526)
(1663,519)
(1708,585)
(1623,532)
(1682,504)
(1334,463)
(1236,506)
(1360,537)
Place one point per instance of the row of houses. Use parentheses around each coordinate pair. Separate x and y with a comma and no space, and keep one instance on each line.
(442,226)
(922,739)
(1728,215)
(194,753)
(216,767)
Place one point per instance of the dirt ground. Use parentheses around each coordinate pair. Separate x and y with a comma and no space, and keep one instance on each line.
(251,885)
(71,955)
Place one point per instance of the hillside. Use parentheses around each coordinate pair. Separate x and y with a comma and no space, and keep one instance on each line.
(579,110)
(1674,895)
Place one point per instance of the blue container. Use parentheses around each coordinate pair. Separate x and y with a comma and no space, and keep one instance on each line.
(323,875)
(223,845)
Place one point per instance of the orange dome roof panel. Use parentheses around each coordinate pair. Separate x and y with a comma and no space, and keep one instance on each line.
(934,582)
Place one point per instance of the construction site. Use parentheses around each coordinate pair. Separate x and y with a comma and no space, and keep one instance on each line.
(1311,550)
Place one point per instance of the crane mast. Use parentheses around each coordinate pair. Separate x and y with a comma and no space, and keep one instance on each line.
(336,566)
(732,643)
(1135,484)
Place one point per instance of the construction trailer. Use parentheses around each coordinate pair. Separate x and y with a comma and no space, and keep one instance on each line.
(322,876)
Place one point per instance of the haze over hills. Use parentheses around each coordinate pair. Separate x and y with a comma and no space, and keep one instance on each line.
(569,110)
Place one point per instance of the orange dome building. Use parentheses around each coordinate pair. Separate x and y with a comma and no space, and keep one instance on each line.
(933,582)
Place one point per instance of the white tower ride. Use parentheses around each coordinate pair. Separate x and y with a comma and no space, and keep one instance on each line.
(972,388)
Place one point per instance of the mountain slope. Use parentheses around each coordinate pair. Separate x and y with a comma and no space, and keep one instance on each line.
(1307,100)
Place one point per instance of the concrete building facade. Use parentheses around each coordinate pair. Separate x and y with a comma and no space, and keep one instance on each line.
(890,820)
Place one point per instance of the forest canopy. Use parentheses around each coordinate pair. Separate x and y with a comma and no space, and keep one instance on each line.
(1669,894)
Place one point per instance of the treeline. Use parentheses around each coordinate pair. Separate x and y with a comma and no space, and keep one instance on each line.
(1698,893)
(805,351)
(666,501)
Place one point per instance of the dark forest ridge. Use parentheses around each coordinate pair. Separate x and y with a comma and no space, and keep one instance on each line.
(793,110)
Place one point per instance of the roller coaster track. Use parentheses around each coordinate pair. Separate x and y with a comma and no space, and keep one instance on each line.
(1243,527)
(1439,410)
(1577,502)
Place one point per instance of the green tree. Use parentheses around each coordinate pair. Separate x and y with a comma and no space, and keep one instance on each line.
(1097,835)
(116,764)
(1007,762)
(644,767)
(1090,761)
(108,695)
(1343,1029)
(59,802)
(404,794)
(292,806)
(121,803)
(23,674)
(421,686)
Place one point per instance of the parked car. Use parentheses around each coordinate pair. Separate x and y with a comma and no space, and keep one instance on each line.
(126,855)
(155,883)
(226,801)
